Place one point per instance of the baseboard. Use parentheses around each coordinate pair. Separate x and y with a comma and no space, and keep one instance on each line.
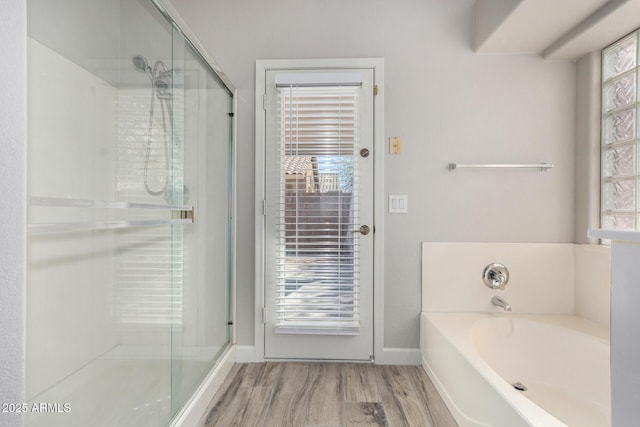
(192,413)
(246,354)
(399,356)
(389,356)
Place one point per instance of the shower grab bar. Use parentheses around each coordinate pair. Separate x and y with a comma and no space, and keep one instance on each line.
(542,166)
(69,227)
(63,202)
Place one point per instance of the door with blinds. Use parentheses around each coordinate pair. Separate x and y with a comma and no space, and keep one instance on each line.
(319,215)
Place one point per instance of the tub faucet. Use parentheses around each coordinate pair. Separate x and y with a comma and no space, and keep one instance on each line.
(501,302)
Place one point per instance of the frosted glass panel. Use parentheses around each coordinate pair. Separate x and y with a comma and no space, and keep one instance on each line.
(619,161)
(619,93)
(618,222)
(619,195)
(620,126)
(620,57)
(619,178)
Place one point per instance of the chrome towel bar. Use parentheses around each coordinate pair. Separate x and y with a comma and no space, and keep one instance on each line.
(542,166)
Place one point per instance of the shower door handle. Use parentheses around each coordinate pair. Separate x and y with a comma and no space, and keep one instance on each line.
(182,214)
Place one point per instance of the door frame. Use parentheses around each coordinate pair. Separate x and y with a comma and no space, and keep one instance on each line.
(262,66)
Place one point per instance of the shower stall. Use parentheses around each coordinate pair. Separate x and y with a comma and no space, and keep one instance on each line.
(130,248)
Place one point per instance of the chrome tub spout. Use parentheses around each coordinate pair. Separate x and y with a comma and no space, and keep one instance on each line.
(501,302)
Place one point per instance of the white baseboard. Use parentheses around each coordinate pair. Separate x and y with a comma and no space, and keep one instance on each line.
(389,356)
(195,409)
(246,354)
(399,356)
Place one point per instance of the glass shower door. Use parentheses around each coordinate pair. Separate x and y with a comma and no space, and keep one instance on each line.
(106,211)
(202,331)
(129,215)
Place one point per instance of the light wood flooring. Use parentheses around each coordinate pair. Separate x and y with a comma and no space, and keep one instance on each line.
(327,394)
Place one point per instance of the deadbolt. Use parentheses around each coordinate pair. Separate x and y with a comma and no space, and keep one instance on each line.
(364,152)
(364,230)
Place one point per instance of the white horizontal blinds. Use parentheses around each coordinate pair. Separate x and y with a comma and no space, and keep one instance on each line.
(620,186)
(317,251)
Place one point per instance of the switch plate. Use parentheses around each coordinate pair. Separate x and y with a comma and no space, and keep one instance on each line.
(395,145)
(398,203)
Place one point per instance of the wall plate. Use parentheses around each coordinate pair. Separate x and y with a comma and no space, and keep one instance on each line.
(398,203)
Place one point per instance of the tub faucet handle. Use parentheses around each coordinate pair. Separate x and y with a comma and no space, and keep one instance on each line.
(495,275)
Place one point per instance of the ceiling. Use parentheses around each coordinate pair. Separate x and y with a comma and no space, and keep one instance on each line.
(555,29)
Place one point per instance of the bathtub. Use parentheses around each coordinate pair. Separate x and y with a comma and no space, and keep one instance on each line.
(563,361)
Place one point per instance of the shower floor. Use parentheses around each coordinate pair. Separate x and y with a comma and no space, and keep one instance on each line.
(116,390)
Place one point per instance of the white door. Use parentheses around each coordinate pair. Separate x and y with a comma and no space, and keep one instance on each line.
(319,214)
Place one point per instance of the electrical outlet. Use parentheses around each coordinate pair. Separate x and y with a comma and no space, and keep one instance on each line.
(395,145)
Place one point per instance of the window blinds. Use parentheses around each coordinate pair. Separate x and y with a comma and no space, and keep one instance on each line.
(317,251)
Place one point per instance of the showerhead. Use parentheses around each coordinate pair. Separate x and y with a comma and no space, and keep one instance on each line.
(163,84)
(160,75)
(140,62)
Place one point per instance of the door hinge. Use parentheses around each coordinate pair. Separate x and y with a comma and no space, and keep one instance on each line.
(375,90)
(264,315)
(264,208)
(264,101)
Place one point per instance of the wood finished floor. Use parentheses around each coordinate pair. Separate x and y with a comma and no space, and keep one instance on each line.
(327,394)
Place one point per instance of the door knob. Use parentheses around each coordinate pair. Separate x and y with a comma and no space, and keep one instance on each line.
(364,230)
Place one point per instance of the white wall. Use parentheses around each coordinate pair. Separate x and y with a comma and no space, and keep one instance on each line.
(587,179)
(592,263)
(489,16)
(448,105)
(57,24)
(13,51)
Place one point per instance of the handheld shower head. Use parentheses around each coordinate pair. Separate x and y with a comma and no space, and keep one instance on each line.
(163,85)
(141,64)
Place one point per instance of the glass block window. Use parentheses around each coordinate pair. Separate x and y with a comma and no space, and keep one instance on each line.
(619,201)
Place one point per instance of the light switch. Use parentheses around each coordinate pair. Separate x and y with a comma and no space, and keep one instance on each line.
(395,145)
(398,203)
